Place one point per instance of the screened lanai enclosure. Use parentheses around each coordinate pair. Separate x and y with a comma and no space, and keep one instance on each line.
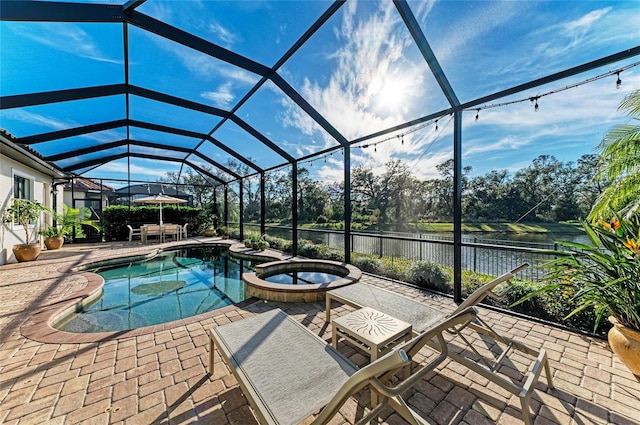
(384,118)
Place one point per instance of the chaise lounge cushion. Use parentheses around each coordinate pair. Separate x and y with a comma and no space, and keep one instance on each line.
(271,342)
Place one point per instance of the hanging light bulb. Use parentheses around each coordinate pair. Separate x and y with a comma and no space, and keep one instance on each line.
(477,114)
(310,163)
(375,148)
(436,125)
(619,81)
(536,105)
(402,140)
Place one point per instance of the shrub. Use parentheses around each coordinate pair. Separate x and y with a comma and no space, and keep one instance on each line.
(367,264)
(429,275)
(322,219)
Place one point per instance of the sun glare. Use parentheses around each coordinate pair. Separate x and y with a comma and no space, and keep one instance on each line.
(392,95)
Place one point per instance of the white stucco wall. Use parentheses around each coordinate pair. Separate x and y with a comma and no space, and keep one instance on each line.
(12,234)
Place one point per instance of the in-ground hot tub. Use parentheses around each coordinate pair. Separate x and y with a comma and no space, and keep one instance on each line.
(298,280)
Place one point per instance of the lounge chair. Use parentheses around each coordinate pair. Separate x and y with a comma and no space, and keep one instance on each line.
(288,373)
(361,295)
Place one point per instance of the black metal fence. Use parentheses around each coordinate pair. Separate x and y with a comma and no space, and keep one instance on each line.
(486,256)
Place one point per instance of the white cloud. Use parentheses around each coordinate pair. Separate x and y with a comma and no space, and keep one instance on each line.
(364,92)
(55,124)
(222,98)
(587,21)
(65,37)
(223,34)
(138,167)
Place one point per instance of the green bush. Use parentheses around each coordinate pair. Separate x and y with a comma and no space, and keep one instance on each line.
(428,275)
(116,218)
(367,264)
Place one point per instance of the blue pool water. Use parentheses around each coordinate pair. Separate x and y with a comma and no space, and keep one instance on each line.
(302,278)
(172,286)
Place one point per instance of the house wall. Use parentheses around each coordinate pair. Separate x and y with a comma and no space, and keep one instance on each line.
(84,195)
(12,234)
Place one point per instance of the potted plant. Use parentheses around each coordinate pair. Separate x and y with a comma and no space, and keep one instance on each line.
(210,224)
(604,276)
(70,218)
(24,212)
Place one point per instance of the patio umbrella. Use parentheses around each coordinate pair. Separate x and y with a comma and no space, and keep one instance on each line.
(159,200)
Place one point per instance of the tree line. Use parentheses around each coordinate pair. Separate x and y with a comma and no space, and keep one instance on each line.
(547,190)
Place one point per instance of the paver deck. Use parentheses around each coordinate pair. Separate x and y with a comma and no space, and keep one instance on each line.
(159,375)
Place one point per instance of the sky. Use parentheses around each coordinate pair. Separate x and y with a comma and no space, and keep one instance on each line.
(361,71)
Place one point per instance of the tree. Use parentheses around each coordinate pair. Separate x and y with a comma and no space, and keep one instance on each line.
(619,163)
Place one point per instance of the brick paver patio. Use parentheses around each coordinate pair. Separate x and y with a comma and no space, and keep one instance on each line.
(159,375)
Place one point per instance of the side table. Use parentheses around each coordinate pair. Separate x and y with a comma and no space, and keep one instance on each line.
(371,331)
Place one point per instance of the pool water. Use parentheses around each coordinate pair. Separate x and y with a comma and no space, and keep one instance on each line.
(172,286)
(302,278)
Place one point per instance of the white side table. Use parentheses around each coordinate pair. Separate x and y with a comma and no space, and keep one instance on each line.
(372,331)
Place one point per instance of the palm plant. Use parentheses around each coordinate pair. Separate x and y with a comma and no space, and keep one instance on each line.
(69,218)
(619,163)
(604,275)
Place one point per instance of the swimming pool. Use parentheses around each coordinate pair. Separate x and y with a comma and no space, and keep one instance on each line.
(171,286)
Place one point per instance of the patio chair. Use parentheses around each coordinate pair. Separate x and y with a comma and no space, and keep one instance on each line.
(172,230)
(151,230)
(134,233)
(361,295)
(288,373)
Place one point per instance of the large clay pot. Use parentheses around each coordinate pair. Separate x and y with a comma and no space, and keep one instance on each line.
(26,252)
(53,242)
(210,232)
(625,343)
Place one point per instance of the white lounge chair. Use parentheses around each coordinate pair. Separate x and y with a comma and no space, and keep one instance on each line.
(288,373)
(361,295)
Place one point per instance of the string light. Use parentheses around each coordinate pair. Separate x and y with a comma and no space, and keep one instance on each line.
(436,125)
(402,140)
(534,99)
(477,114)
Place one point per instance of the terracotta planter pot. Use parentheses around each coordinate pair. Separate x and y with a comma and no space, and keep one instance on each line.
(53,242)
(26,252)
(625,343)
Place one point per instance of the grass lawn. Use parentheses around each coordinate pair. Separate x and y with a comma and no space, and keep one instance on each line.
(555,228)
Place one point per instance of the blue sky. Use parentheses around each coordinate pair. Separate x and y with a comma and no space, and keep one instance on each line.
(361,71)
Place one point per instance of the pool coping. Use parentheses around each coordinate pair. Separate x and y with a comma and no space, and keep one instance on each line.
(257,287)
(39,327)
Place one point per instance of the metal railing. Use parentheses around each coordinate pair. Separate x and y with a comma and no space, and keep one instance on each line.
(486,256)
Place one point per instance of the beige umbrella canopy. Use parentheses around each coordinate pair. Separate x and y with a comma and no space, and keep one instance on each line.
(159,200)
